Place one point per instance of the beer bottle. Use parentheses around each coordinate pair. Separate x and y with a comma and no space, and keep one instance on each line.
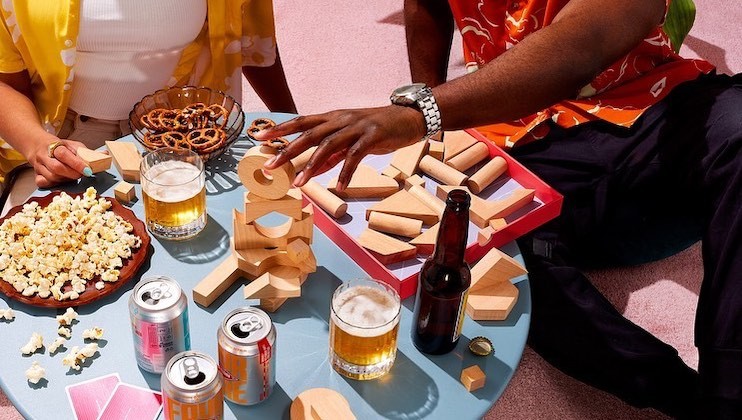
(444,282)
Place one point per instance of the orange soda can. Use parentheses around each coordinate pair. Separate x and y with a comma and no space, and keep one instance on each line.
(192,387)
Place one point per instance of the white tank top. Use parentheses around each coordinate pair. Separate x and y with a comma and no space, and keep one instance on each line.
(127,49)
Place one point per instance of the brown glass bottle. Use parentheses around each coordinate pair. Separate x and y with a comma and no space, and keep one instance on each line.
(444,282)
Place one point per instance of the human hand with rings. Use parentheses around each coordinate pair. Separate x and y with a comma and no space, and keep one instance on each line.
(55,161)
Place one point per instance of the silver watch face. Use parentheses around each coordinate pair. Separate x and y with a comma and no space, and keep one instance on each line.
(407,95)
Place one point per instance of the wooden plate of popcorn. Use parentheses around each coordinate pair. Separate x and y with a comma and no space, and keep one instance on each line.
(65,250)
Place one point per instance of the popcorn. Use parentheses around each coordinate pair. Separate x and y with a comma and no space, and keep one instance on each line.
(77,355)
(95,333)
(59,342)
(34,343)
(35,373)
(64,332)
(67,317)
(8,314)
(54,251)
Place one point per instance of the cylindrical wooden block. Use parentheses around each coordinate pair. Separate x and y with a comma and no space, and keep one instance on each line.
(469,157)
(397,225)
(487,174)
(428,199)
(328,201)
(272,186)
(300,161)
(441,171)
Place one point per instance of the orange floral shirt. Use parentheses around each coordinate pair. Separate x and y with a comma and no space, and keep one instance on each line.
(619,95)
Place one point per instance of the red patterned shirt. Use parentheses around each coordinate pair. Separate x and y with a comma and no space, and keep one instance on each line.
(619,95)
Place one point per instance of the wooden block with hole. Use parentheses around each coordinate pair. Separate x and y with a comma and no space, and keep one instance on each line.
(436,149)
(408,158)
(217,282)
(405,204)
(473,378)
(277,282)
(97,161)
(495,267)
(320,404)
(495,305)
(386,249)
(425,242)
(414,180)
(289,205)
(365,183)
(124,192)
(126,158)
(456,142)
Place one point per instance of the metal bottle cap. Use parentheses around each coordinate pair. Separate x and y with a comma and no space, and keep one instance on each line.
(481,346)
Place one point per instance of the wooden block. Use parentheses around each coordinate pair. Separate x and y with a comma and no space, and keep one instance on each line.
(267,184)
(217,282)
(437,137)
(304,228)
(394,173)
(299,162)
(124,192)
(366,183)
(487,174)
(498,224)
(482,211)
(126,158)
(473,378)
(326,200)
(495,305)
(253,235)
(428,199)
(486,233)
(510,204)
(97,161)
(436,149)
(396,225)
(385,248)
(278,282)
(405,204)
(495,267)
(289,205)
(425,242)
(414,180)
(441,171)
(408,158)
(298,250)
(272,305)
(256,262)
(469,157)
(320,404)
(456,142)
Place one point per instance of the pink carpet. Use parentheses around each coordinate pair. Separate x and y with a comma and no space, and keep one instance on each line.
(349,54)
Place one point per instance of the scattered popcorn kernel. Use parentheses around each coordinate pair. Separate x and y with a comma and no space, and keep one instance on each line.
(70,360)
(34,343)
(95,333)
(35,373)
(64,332)
(77,355)
(67,317)
(58,342)
(8,314)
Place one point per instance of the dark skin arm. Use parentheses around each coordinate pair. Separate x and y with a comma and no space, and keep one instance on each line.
(429,30)
(534,74)
(20,127)
(271,86)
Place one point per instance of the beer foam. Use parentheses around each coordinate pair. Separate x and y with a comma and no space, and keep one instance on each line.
(169,181)
(365,311)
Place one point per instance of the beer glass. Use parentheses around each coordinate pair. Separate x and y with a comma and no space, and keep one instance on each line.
(364,321)
(174,192)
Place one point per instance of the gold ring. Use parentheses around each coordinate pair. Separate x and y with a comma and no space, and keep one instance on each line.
(52,147)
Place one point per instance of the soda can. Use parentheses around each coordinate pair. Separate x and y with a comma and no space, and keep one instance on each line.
(192,387)
(246,343)
(158,309)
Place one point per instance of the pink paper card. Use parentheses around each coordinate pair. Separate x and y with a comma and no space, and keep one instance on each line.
(88,398)
(129,402)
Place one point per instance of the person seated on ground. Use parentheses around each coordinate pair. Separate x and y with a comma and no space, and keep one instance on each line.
(590,96)
(76,72)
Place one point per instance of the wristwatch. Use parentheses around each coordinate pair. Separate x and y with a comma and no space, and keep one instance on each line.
(420,96)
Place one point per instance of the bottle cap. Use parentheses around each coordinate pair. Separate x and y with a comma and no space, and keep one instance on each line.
(481,346)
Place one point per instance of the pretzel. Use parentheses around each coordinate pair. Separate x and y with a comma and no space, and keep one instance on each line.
(278,143)
(263,123)
(205,140)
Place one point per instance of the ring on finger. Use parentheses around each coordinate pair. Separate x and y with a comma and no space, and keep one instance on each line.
(52,147)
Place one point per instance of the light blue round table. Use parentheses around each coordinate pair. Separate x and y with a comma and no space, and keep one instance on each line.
(418,386)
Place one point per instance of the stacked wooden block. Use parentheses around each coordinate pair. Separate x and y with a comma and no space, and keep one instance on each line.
(277,259)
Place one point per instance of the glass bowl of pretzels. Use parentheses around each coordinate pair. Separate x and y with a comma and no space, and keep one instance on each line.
(197,118)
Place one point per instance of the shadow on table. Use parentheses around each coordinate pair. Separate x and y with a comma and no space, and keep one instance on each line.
(406,392)
(211,244)
(316,295)
(277,402)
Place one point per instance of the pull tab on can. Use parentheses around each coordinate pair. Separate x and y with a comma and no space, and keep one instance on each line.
(193,375)
(244,327)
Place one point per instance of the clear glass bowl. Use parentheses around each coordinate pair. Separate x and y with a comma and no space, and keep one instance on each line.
(177,98)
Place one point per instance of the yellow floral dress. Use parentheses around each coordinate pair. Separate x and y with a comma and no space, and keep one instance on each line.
(40,36)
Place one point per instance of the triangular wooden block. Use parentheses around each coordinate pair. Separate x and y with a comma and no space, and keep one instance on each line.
(386,249)
(289,205)
(366,183)
(404,204)
(277,282)
(495,305)
(425,243)
(511,203)
(408,158)
(97,161)
(455,142)
(494,267)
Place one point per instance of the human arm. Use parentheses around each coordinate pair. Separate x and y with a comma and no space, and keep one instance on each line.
(20,127)
(271,86)
(548,66)
(429,31)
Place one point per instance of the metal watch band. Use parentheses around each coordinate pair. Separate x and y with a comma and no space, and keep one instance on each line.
(429,108)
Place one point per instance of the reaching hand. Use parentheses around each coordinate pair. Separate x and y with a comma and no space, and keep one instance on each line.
(345,134)
(57,164)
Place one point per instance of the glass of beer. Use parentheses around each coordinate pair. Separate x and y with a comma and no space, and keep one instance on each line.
(364,321)
(174,191)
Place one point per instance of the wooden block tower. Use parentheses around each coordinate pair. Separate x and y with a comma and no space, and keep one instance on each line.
(277,259)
